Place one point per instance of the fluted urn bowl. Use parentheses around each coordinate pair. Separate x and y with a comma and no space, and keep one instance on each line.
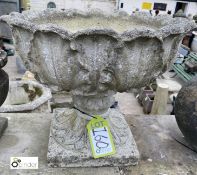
(95,54)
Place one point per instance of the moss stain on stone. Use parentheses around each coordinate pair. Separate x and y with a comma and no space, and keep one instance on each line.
(38,91)
(32,93)
(25,87)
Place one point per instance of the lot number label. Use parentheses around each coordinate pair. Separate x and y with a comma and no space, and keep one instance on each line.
(100,137)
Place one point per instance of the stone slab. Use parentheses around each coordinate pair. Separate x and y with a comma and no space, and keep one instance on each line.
(62,155)
(3,125)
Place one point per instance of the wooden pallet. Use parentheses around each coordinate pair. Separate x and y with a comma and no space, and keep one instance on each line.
(180,68)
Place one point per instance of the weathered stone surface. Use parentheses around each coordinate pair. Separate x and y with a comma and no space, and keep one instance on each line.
(116,45)
(62,100)
(69,145)
(3,125)
(94,55)
(18,100)
(186,112)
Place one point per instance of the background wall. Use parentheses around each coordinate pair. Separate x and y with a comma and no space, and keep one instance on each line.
(131,5)
(105,5)
(7,6)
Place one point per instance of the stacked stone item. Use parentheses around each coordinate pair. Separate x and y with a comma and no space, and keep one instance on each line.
(4,87)
(94,55)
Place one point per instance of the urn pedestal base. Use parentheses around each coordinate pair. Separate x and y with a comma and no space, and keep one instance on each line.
(73,149)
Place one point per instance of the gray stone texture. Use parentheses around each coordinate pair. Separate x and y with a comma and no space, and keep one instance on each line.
(94,55)
(18,100)
(48,44)
(62,100)
(70,147)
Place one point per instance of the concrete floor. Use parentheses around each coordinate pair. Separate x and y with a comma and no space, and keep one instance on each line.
(27,135)
(161,154)
(128,103)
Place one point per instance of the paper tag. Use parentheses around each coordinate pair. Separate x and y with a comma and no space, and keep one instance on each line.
(100,137)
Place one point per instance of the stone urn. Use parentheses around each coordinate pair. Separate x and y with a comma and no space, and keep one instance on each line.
(94,55)
(186,112)
(4,79)
(4,87)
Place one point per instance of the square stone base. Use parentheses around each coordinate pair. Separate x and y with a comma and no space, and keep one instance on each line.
(126,153)
(3,125)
